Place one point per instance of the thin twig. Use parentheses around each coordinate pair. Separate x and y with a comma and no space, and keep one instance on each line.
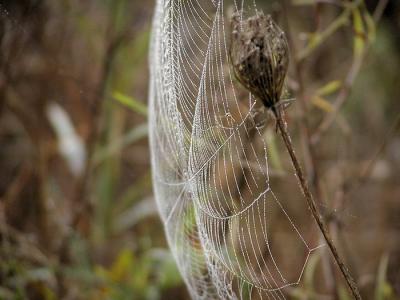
(310,158)
(380,8)
(350,78)
(312,205)
(321,37)
(340,100)
(366,172)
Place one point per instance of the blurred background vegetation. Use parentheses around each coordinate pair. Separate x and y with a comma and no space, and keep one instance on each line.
(77,216)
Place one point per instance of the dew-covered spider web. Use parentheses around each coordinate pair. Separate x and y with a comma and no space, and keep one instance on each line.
(231,235)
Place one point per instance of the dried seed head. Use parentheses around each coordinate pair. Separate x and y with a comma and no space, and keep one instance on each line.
(260,57)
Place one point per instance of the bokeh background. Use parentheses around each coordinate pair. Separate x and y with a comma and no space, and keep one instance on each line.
(77,215)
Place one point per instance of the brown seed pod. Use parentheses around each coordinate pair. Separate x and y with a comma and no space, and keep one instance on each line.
(259,54)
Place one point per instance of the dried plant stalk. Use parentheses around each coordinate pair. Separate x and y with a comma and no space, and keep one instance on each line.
(260,58)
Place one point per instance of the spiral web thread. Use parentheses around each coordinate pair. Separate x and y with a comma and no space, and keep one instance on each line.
(210,164)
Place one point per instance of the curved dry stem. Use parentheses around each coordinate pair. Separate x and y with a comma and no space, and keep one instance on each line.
(312,205)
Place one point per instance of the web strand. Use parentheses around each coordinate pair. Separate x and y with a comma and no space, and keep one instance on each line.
(210,162)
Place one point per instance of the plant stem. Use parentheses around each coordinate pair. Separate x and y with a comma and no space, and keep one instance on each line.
(350,78)
(311,204)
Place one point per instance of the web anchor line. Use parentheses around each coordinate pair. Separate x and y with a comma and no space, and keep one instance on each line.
(211,175)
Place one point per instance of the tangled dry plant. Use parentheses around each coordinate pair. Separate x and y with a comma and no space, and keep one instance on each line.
(211,155)
(260,58)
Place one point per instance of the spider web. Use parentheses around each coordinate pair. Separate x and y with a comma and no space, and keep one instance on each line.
(210,162)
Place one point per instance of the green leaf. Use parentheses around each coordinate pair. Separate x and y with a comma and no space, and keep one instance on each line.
(371,27)
(303,2)
(343,293)
(359,31)
(274,152)
(314,40)
(322,104)
(130,102)
(383,289)
(122,266)
(317,38)
(329,88)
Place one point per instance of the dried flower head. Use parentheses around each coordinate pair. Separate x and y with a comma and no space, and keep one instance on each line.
(260,57)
